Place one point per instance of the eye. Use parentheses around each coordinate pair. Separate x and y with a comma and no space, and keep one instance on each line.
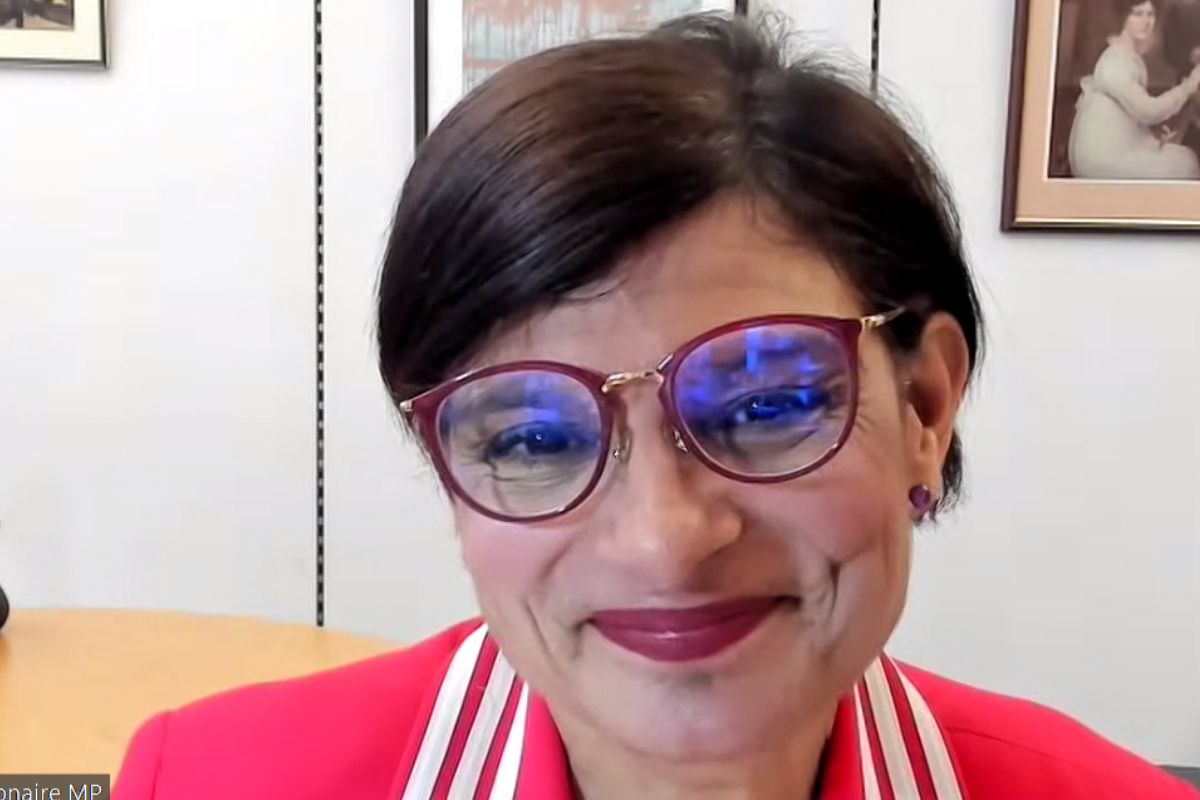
(777,406)
(768,421)
(539,440)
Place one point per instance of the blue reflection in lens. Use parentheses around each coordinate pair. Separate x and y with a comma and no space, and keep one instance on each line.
(761,391)
(754,343)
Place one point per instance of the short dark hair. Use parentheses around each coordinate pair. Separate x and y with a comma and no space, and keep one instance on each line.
(1122,9)
(1125,7)
(538,182)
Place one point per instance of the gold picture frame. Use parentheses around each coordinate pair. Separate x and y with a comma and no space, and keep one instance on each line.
(1072,62)
(59,33)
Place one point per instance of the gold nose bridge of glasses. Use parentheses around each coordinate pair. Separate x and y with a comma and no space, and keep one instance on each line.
(620,379)
(624,442)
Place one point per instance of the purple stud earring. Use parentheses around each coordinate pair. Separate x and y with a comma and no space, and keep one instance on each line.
(922,501)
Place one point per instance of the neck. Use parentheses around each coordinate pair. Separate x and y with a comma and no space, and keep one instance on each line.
(787,769)
(1130,42)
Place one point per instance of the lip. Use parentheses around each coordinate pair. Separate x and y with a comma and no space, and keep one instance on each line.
(685,634)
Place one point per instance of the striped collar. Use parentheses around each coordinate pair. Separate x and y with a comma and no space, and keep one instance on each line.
(484,729)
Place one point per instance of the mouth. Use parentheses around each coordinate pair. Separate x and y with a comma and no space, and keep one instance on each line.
(679,635)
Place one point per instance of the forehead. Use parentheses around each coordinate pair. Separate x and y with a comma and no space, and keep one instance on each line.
(728,262)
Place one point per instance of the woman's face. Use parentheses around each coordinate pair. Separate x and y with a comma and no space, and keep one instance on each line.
(1139,24)
(664,532)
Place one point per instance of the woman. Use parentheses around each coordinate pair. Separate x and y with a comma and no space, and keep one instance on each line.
(684,330)
(1114,134)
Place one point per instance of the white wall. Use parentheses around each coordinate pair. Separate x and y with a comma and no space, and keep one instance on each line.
(1072,574)
(157,317)
(391,563)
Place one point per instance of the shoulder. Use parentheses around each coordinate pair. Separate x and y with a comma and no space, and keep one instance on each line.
(347,724)
(1006,747)
(1117,61)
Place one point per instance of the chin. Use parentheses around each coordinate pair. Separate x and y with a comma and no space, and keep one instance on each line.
(699,732)
(690,715)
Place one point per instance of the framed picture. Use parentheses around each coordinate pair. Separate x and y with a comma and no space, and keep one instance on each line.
(1104,116)
(53,32)
(461,42)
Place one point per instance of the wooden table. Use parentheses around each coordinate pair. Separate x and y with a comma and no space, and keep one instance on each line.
(75,683)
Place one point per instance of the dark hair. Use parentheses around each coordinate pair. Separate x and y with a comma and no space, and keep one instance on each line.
(538,182)
(1123,8)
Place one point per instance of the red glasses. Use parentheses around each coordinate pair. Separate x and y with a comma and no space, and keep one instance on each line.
(759,400)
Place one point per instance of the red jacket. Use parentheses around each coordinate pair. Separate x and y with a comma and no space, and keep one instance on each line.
(448,718)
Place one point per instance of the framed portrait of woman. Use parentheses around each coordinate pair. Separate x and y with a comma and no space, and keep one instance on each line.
(461,42)
(1104,116)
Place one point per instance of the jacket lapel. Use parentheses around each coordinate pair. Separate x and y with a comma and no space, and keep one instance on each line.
(903,751)
(471,734)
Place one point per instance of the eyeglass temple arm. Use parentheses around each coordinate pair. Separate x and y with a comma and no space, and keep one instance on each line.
(883,318)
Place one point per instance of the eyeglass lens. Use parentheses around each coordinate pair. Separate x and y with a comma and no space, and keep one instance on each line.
(760,402)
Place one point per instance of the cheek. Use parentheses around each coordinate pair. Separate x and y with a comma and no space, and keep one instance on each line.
(871,541)
(846,534)
(835,521)
(509,565)
(854,505)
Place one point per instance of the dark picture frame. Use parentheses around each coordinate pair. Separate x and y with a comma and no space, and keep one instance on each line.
(1060,172)
(54,33)
(427,95)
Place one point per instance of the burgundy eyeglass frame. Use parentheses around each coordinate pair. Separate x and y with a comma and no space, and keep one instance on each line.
(423,409)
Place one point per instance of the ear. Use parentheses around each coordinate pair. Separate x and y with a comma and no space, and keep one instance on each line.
(936,380)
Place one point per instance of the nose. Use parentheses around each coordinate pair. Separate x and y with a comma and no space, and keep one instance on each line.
(667,521)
